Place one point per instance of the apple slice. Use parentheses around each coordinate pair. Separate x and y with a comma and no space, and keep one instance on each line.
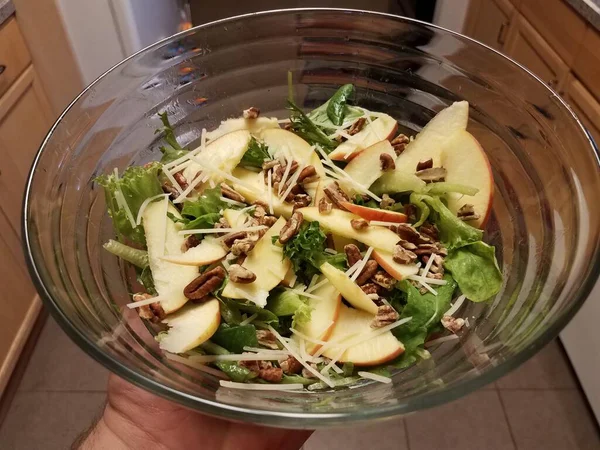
(398,271)
(382,128)
(162,238)
(366,167)
(290,278)
(467,163)
(374,213)
(209,251)
(325,312)
(224,153)
(337,222)
(254,126)
(191,326)
(267,262)
(373,351)
(235,218)
(349,289)
(251,185)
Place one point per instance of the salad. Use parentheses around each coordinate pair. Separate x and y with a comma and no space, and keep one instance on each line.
(310,252)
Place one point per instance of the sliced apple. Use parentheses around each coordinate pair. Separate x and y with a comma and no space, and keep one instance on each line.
(467,163)
(254,126)
(267,262)
(382,128)
(375,213)
(224,153)
(323,316)
(235,218)
(349,289)
(209,251)
(251,185)
(339,242)
(163,238)
(290,278)
(398,271)
(396,181)
(373,351)
(191,326)
(337,222)
(366,167)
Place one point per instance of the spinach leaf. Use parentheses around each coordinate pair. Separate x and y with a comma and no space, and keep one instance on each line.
(337,104)
(263,315)
(475,269)
(235,338)
(135,185)
(232,369)
(284,303)
(256,154)
(307,130)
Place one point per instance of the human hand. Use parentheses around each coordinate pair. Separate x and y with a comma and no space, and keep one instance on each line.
(136,419)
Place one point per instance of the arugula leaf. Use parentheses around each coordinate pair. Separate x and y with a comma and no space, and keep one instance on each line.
(475,269)
(307,130)
(235,338)
(204,211)
(137,184)
(135,256)
(454,233)
(256,154)
(337,104)
(284,302)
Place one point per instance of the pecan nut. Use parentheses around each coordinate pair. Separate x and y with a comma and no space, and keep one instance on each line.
(291,227)
(291,366)
(352,254)
(204,284)
(267,339)
(399,143)
(372,288)
(426,249)
(452,324)
(269,164)
(467,213)
(429,230)
(181,181)
(242,246)
(384,279)
(369,270)
(232,194)
(357,126)
(168,188)
(271,374)
(386,162)
(325,206)
(239,274)
(301,200)
(359,224)
(425,164)
(251,113)
(386,201)
(190,242)
(409,233)
(336,195)
(432,175)
(308,173)
(386,315)
(403,256)
(235,236)
(152,312)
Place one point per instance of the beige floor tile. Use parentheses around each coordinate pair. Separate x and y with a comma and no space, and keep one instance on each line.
(48,420)
(474,422)
(549,369)
(550,420)
(57,364)
(388,435)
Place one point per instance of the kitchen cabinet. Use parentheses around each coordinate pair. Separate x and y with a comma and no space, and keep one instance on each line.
(489,21)
(587,62)
(585,106)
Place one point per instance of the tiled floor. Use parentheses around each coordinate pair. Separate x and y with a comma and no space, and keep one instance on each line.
(536,407)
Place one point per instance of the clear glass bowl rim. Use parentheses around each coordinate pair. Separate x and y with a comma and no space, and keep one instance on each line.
(283,419)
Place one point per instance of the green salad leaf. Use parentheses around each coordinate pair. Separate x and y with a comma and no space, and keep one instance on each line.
(232,369)
(475,269)
(256,154)
(302,315)
(137,257)
(284,302)
(135,185)
(308,130)
(336,106)
(172,150)
(320,115)
(235,338)
(145,278)
(204,211)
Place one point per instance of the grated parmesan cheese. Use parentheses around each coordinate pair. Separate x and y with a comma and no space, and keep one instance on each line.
(363,263)
(456,306)
(374,377)
(145,205)
(262,387)
(221,230)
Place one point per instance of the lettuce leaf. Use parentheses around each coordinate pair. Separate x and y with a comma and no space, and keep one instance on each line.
(204,211)
(172,150)
(235,338)
(256,154)
(284,303)
(137,184)
(336,106)
(302,315)
(475,269)
(232,369)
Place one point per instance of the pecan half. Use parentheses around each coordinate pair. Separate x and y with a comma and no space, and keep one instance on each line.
(429,230)
(409,233)
(267,221)
(301,200)
(369,270)
(291,227)
(325,206)
(372,288)
(425,164)
(336,195)
(271,374)
(410,211)
(384,279)
(399,143)
(403,256)
(357,126)
(307,173)
(437,266)
(386,162)
(432,175)
(467,212)
(242,246)
(231,194)
(385,316)
(181,181)
(359,224)
(452,324)
(221,223)
(168,188)
(239,274)
(426,249)
(251,113)
(238,235)
(279,171)
(205,284)
(267,165)
(407,245)
(386,201)
(152,312)
(352,254)
(291,366)
(190,242)
(267,339)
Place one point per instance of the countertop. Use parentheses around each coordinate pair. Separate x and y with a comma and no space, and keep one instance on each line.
(589,9)
(6,10)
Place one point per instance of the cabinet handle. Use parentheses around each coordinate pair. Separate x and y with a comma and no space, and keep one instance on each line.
(500,37)
(2,68)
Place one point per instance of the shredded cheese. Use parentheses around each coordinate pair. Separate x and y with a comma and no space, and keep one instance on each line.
(307,338)
(293,181)
(227,176)
(427,280)
(313,280)
(373,296)
(270,190)
(178,168)
(428,265)
(363,263)
(441,340)
(426,286)
(286,174)
(374,377)
(352,269)
(456,306)
(145,302)
(145,205)
(222,230)
(330,251)
(249,319)
(383,223)
(265,356)
(183,196)
(173,181)
(262,387)
(305,294)
(316,286)
(232,202)
(201,367)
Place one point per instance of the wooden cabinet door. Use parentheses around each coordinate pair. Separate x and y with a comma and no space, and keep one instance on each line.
(488,21)
(526,46)
(585,106)
(25,118)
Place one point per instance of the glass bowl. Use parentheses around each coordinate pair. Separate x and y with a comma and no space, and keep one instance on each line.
(545,220)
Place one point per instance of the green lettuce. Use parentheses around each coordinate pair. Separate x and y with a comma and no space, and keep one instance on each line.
(302,315)
(136,184)
(284,302)
(320,116)
(235,338)
(256,154)
(172,150)
(308,130)
(204,211)
(475,269)
(336,106)
(232,369)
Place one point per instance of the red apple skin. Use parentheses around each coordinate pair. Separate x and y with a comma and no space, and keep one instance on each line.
(387,267)
(375,214)
(336,157)
(327,334)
